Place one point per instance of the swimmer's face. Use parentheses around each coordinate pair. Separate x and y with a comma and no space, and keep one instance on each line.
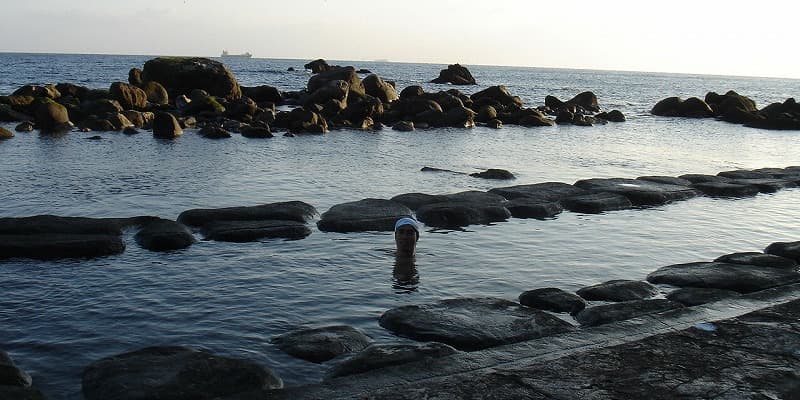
(406,239)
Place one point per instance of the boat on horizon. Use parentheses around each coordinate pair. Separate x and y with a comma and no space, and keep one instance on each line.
(225,54)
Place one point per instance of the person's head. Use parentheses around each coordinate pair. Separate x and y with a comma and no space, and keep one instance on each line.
(406,235)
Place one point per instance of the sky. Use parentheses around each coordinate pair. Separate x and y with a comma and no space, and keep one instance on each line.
(682,36)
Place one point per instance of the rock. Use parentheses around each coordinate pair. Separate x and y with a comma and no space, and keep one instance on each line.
(135,77)
(214,132)
(376,87)
(640,193)
(283,211)
(317,66)
(595,203)
(767,185)
(618,290)
(716,275)
(731,105)
(607,313)
(531,117)
(129,97)
(322,344)
(10,375)
(164,235)
(723,189)
(552,299)
(416,200)
(181,75)
(499,94)
(70,89)
(119,121)
(494,173)
(463,209)
(20,393)
(25,126)
(386,355)
(303,120)
(403,126)
(95,137)
(165,126)
(173,373)
(486,113)
(703,178)
(52,117)
(587,100)
(347,74)
(255,132)
(789,250)
(546,192)
(263,93)
(130,131)
(252,231)
(669,180)
(495,124)
(456,75)
(523,207)
(412,91)
(459,117)
(100,107)
(696,296)
(472,323)
(612,116)
(46,91)
(759,259)
(676,107)
(5,133)
(49,246)
(363,215)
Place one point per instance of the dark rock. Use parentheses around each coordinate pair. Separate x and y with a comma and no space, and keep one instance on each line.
(595,203)
(96,137)
(486,114)
(376,87)
(164,235)
(546,192)
(5,133)
(173,373)
(100,107)
(49,246)
(669,180)
(135,77)
(462,212)
(565,117)
(347,74)
(243,109)
(456,75)
(331,90)
(524,207)
(363,71)
(306,121)
(52,117)
(494,173)
(612,116)
(412,91)
(129,97)
(586,100)
(317,66)
(696,296)
(322,344)
(362,106)
(165,126)
(640,193)
(703,178)
(618,290)
(214,132)
(472,323)
(20,393)
(46,91)
(256,132)
(8,114)
(119,121)
(137,118)
(285,211)
(10,375)
(737,277)
(675,107)
(789,250)
(263,93)
(25,126)
(43,224)
(730,104)
(251,231)
(181,75)
(459,117)
(759,259)
(495,124)
(767,185)
(607,313)
(531,117)
(386,355)
(416,200)
(403,126)
(552,299)
(723,189)
(499,94)
(70,89)
(130,131)
(290,69)
(363,215)
(744,174)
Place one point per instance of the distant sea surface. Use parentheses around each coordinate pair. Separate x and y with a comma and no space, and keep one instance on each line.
(57,317)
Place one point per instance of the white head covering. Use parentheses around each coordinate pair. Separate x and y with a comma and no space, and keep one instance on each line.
(407,221)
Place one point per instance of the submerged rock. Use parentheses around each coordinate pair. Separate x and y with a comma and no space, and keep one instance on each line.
(595,203)
(695,296)
(639,192)
(173,373)
(472,323)
(618,290)
(288,211)
(322,344)
(363,215)
(251,231)
(386,355)
(164,235)
(607,313)
(553,299)
(741,278)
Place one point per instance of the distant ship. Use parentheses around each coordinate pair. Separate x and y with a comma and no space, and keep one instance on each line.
(225,54)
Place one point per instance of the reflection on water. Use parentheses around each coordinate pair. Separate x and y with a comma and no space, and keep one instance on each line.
(405,277)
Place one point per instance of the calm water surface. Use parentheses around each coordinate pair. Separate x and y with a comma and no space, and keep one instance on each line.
(57,317)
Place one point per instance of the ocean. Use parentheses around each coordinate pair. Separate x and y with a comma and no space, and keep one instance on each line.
(56,317)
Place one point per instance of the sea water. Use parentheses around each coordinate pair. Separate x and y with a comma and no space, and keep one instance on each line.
(56,317)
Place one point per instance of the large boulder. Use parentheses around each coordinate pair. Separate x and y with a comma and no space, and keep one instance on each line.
(166,126)
(156,93)
(789,250)
(51,117)
(130,97)
(639,192)
(456,75)
(363,215)
(472,323)
(463,209)
(618,290)
(317,66)
(552,299)
(676,107)
(284,211)
(380,356)
(742,278)
(586,100)
(499,94)
(181,75)
(376,87)
(251,231)
(263,93)
(347,74)
(164,235)
(173,373)
(607,313)
(322,344)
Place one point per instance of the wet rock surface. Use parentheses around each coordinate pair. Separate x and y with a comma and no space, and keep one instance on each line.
(363,215)
(322,344)
(618,290)
(522,207)
(250,231)
(789,250)
(695,296)
(741,278)
(725,189)
(607,313)
(472,323)
(546,192)
(380,356)
(173,373)
(289,211)
(639,192)
(553,299)
(595,203)
(759,259)
(164,235)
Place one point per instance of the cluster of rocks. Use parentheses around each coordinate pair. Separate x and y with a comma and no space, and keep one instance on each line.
(735,108)
(170,94)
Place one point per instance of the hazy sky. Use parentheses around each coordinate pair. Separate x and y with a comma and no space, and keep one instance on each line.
(696,36)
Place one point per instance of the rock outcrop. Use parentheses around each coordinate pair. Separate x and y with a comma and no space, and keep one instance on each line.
(455,74)
(322,344)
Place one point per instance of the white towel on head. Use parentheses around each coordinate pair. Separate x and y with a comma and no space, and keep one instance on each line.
(407,221)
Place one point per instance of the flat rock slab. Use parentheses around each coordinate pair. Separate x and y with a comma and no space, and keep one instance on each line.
(417,200)
(759,259)
(696,296)
(545,192)
(459,214)
(766,185)
(173,373)
(744,174)
(702,178)
(380,356)
(552,299)
(618,290)
(164,235)
(472,323)
(476,197)
(607,313)
(363,215)
(725,189)
(523,207)
(322,344)
(741,278)
(43,224)
(670,180)
(54,246)
(639,192)
(785,249)
(595,203)
(290,211)
(251,231)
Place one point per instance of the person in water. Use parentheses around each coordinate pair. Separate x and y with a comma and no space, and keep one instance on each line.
(406,235)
